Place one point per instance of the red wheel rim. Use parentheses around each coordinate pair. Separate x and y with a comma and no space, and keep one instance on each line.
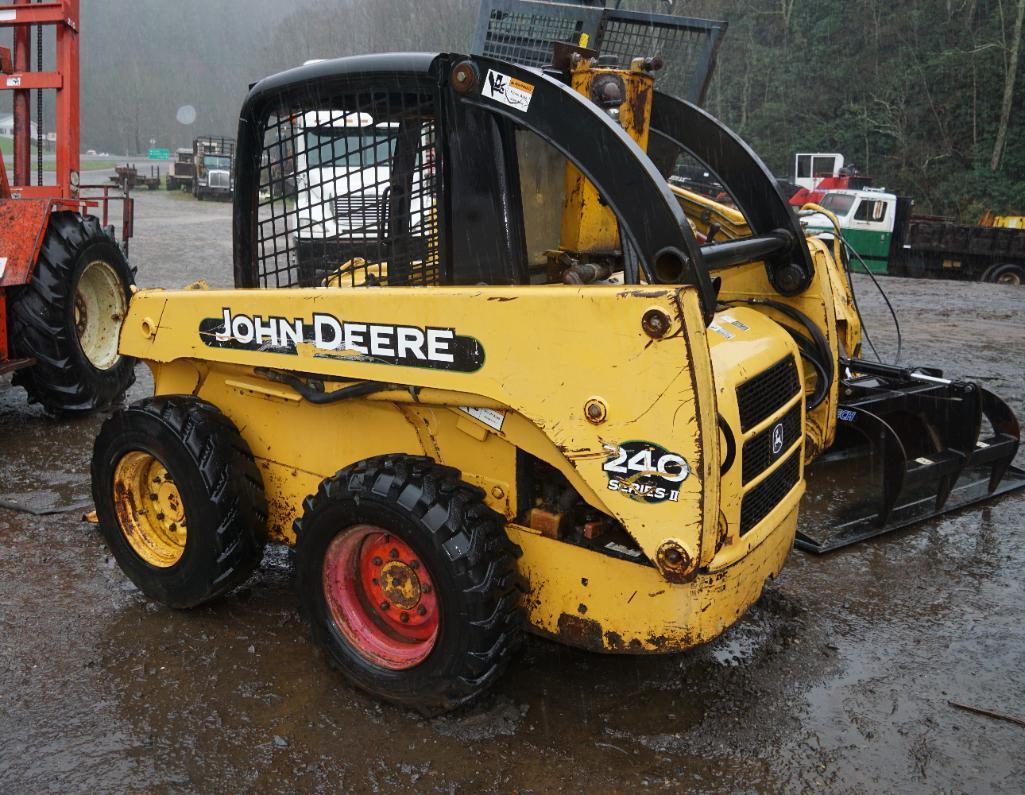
(381,597)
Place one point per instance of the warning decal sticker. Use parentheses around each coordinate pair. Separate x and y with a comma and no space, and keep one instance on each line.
(490,417)
(508,90)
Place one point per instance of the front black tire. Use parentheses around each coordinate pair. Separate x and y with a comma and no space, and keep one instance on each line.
(464,550)
(68,318)
(214,482)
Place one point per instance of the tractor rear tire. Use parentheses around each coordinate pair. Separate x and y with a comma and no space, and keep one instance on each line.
(179,499)
(409,582)
(68,318)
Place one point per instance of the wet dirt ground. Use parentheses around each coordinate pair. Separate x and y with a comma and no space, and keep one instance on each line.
(838,679)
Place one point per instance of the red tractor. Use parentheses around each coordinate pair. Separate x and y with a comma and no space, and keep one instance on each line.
(64,277)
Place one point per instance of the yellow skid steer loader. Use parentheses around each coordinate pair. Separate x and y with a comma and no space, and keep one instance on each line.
(486,370)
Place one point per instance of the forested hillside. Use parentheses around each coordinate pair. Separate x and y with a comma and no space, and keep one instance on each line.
(918,93)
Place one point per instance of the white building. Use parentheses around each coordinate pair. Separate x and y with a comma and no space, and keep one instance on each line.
(7,126)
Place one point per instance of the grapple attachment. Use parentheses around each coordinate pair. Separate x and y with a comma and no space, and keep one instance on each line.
(923,444)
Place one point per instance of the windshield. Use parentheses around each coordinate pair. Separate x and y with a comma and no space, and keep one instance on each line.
(837,203)
(217,161)
(357,147)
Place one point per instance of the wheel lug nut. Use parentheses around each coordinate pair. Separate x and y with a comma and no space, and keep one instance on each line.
(404,618)
(421,611)
(376,561)
(160,517)
(385,605)
(394,553)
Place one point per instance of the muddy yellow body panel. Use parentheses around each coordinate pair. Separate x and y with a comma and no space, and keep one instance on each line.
(584,379)
(600,603)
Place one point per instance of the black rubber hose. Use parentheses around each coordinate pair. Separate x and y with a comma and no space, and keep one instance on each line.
(825,365)
(808,353)
(731,446)
(319,397)
(882,292)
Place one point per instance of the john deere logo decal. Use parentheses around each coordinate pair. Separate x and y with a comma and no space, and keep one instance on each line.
(645,471)
(777,438)
(381,343)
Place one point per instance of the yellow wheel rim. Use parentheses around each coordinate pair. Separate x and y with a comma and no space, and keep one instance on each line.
(149,509)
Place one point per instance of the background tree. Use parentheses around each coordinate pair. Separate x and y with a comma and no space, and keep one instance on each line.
(927,96)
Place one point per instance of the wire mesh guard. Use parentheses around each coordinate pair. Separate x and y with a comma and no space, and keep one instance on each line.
(348,192)
(526,38)
(525,32)
(684,52)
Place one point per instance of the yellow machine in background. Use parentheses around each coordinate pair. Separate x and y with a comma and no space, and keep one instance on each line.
(494,373)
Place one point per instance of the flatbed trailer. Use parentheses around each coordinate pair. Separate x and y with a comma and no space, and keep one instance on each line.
(880,228)
(940,247)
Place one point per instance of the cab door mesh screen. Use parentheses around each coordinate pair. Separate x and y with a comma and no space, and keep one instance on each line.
(348,192)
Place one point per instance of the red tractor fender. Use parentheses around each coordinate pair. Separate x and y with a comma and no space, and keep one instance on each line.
(23,224)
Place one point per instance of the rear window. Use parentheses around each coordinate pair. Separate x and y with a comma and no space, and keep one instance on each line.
(870,210)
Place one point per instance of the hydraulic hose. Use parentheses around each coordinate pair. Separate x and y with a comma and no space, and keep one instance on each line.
(816,350)
(312,394)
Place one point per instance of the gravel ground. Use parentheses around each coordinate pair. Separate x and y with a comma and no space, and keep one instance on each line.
(838,679)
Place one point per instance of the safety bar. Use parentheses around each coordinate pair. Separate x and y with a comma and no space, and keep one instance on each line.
(738,252)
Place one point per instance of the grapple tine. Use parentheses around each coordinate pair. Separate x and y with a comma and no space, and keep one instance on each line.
(928,442)
(1005,425)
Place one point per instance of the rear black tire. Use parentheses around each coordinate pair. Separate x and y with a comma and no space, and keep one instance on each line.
(47,313)
(220,488)
(1009,274)
(464,548)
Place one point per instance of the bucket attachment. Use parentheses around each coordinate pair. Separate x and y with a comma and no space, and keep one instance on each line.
(920,444)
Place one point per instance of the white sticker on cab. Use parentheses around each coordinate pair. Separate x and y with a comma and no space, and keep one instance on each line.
(508,90)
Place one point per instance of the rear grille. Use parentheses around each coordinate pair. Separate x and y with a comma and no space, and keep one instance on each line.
(360,212)
(766,495)
(764,394)
(763,450)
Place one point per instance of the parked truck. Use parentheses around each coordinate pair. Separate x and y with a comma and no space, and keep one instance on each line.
(182,171)
(879,227)
(213,158)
